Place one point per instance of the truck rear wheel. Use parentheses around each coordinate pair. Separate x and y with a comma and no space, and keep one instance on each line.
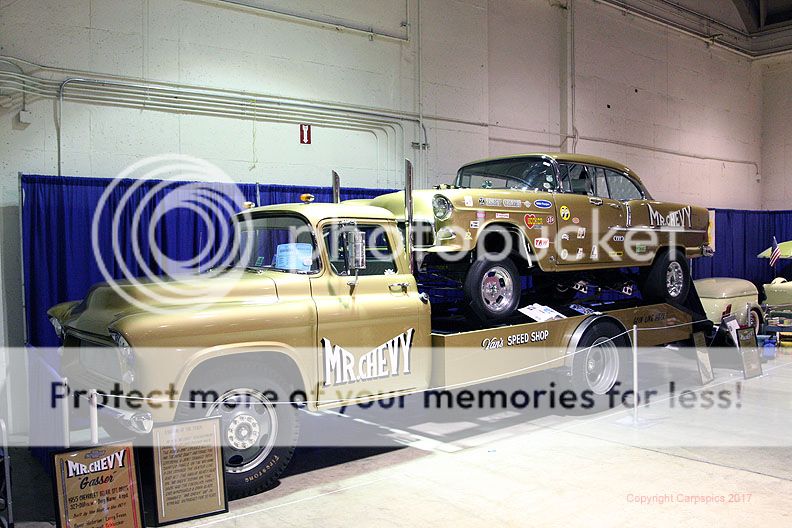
(258,428)
(668,279)
(492,289)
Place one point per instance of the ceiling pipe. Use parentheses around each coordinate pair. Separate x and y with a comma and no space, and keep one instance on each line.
(625,8)
(327,22)
(147,89)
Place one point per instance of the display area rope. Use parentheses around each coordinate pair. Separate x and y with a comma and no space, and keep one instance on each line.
(363,399)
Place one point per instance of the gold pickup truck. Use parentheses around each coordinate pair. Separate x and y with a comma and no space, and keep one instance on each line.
(321,309)
(555,218)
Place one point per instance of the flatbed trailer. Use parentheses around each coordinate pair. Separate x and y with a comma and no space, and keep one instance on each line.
(518,347)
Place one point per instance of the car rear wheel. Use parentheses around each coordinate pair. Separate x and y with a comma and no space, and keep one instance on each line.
(668,278)
(492,289)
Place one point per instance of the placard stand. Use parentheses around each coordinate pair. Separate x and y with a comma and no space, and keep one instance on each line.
(7,496)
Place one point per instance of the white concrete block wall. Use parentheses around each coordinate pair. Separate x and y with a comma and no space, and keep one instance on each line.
(639,83)
(777,134)
(494,79)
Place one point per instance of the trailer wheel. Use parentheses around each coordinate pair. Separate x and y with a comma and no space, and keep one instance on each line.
(258,431)
(600,360)
(668,279)
(492,289)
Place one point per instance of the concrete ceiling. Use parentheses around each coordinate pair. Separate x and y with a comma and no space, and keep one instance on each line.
(758,15)
(753,27)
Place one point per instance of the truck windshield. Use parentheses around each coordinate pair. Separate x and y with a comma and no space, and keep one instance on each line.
(279,243)
(519,173)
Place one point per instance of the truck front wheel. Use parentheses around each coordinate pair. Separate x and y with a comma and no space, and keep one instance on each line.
(492,289)
(258,428)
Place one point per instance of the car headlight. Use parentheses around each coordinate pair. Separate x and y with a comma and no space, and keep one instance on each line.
(126,357)
(441,206)
(57,326)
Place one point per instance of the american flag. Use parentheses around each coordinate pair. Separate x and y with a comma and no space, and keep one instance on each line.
(776,254)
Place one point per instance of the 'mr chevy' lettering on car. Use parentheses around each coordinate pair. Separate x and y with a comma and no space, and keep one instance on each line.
(381,362)
(680,218)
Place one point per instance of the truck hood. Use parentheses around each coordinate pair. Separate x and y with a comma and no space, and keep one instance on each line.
(394,202)
(106,305)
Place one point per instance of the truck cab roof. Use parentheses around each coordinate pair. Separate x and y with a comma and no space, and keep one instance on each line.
(316,212)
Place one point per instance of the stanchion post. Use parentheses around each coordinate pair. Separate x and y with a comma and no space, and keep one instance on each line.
(635,372)
(65,413)
(93,406)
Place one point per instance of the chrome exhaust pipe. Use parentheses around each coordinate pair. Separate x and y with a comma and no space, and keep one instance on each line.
(336,188)
(408,212)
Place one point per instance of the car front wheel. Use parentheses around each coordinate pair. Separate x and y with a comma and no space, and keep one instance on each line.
(492,289)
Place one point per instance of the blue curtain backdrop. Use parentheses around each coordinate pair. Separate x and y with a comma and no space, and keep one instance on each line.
(57,214)
(739,237)
(59,263)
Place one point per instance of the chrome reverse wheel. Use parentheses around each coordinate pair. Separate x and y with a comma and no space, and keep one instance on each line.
(249,425)
(675,279)
(492,289)
(497,289)
(667,279)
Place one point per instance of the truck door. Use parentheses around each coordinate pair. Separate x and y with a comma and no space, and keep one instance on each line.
(373,328)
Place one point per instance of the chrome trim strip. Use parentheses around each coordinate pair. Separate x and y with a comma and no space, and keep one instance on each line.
(669,229)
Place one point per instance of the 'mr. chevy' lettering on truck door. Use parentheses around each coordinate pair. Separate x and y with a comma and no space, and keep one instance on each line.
(391,358)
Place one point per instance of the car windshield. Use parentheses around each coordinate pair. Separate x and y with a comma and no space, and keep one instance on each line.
(521,174)
(279,243)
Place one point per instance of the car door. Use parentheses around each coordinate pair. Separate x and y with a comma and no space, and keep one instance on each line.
(373,329)
(574,207)
(608,219)
(636,227)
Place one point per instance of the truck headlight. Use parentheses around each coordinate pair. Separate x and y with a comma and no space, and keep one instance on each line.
(126,356)
(441,206)
(57,326)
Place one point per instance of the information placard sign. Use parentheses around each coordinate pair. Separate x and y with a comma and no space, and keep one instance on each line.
(97,487)
(189,477)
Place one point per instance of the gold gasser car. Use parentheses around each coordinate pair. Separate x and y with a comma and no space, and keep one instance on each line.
(554,218)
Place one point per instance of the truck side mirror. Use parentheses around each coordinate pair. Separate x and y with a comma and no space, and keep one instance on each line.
(355,250)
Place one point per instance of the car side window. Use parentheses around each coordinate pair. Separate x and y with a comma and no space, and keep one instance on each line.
(575,179)
(600,185)
(379,252)
(621,187)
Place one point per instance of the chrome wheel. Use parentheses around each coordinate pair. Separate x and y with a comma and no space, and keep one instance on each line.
(675,279)
(754,321)
(497,289)
(249,427)
(602,365)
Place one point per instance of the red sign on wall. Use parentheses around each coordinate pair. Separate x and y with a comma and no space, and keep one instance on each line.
(305,134)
